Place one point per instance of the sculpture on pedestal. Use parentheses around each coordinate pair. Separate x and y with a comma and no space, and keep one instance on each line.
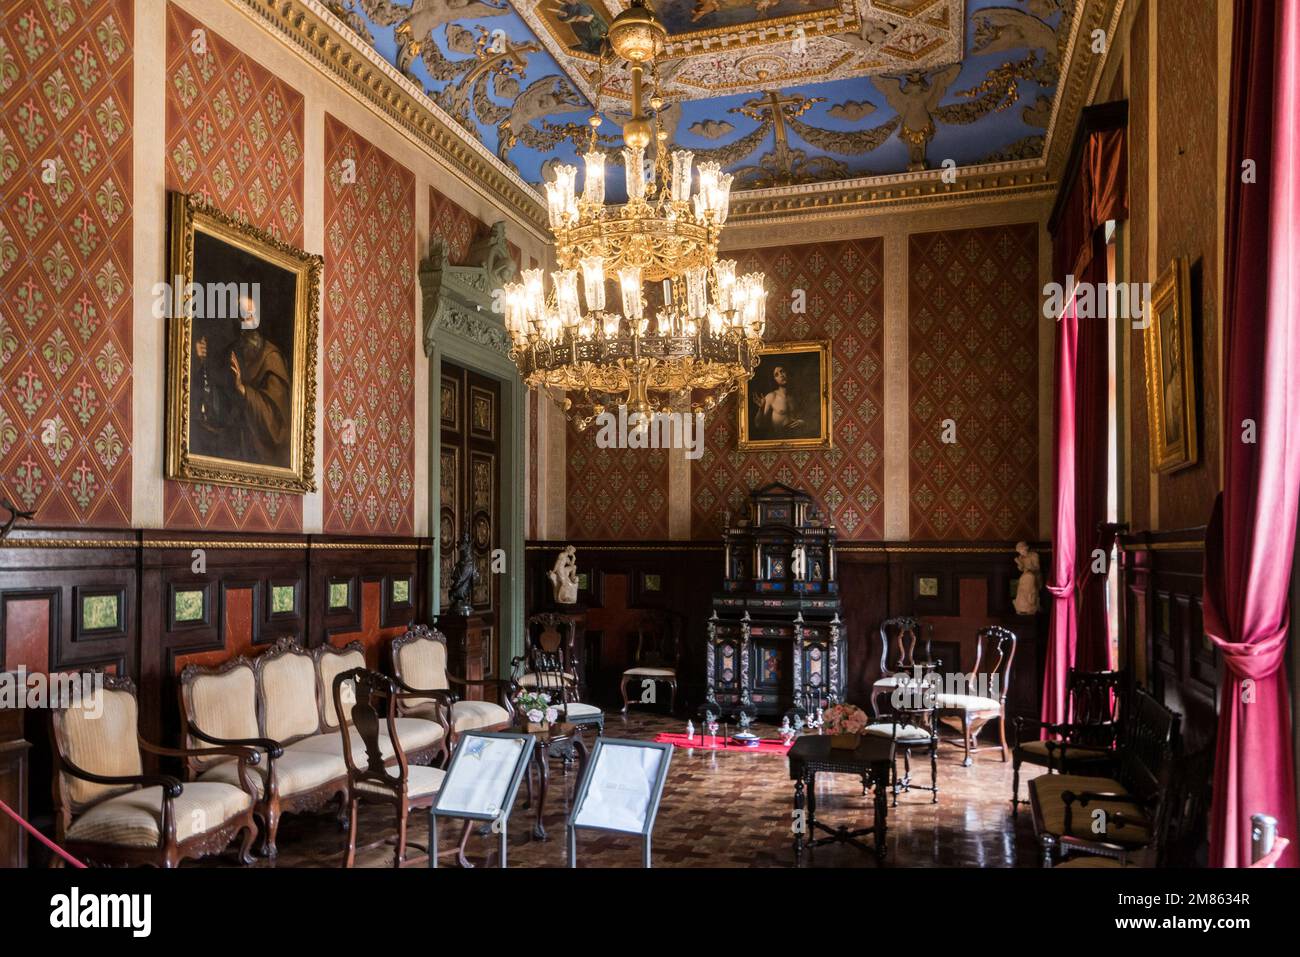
(1031,580)
(564,577)
(463,577)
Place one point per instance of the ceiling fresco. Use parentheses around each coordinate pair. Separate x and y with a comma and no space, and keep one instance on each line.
(781,92)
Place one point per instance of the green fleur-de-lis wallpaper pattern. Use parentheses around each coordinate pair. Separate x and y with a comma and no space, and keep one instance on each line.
(65,255)
(235,136)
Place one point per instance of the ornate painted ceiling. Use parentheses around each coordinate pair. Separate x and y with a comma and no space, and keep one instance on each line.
(780,92)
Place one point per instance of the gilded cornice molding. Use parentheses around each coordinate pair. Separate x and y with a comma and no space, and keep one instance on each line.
(309,26)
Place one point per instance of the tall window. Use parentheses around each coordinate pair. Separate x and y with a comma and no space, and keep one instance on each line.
(1116,341)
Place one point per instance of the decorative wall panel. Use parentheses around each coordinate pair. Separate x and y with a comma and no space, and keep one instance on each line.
(973,383)
(234,136)
(614,493)
(1139,109)
(1189,178)
(843,293)
(458,228)
(66,129)
(369,337)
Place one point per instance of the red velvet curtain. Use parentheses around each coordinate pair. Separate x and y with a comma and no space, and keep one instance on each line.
(1251,538)
(1078,638)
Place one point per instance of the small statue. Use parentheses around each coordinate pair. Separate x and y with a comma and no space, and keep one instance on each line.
(690,730)
(564,577)
(492,252)
(1031,580)
(463,577)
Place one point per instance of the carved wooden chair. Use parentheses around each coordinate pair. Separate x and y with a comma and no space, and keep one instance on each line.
(898,654)
(658,651)
(108,811)
(423,737)
(912,725)
(368,700)
(987,685)
(419,659)
(547,666)
(1080,745)
(1130,806)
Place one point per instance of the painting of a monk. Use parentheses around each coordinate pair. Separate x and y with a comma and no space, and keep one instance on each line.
(241,353)
(244,397)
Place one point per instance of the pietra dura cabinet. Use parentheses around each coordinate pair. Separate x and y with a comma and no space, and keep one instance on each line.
(775,639)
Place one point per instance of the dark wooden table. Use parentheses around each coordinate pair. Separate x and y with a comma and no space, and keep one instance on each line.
(872,760)
(556,740)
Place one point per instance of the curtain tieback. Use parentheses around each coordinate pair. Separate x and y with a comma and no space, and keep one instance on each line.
(1253,659)
(1062,591)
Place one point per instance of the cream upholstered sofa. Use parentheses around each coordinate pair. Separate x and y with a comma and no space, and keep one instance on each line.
(108,811)
(281,704)
(420,667)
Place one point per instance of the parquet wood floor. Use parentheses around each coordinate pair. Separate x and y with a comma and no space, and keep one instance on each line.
(727,809)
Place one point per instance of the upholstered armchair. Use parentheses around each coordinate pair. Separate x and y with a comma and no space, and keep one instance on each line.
(423,737)
(547,666)
(1084,745)
(419,660)
(658,650)
(898,655)
(988,683)
(108,811)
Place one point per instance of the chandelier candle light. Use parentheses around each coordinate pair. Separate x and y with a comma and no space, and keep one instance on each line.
(703,337)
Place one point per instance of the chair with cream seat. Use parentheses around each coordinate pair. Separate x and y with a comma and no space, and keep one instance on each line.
(367,702)
(912,724)
(547,666)
(898,655)
(108,811)
(1083,743)
(419,660)
(988,682)
(658,651)
(423,737)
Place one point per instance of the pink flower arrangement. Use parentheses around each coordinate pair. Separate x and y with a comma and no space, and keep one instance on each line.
(844,719)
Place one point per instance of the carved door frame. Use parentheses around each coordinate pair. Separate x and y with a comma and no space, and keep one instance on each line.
(461,328)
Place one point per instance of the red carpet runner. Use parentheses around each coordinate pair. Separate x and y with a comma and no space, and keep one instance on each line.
(719,743)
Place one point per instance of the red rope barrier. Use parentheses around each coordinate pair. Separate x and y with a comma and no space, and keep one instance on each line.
(41,837)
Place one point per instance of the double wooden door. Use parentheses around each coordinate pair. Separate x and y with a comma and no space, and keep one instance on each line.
(470,496)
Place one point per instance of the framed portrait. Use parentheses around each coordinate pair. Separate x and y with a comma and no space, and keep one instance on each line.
(1171,371)
(241,353)
(786,404)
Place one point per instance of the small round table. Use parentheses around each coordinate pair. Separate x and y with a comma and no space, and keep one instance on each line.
(554,740)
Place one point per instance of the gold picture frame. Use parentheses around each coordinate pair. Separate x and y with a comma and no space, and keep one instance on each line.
(1171,372)
(798,361)
(264,443)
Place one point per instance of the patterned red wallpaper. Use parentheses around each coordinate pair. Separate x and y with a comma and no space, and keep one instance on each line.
(368,337)
(458,228)
(973,359)
(614,493)
(843,288)
(66,129)
(235,136)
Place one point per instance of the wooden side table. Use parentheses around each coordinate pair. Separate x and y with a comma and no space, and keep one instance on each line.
(556,740)
(872,761)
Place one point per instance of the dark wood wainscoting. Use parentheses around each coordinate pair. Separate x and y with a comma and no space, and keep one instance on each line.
(1163,627)
(957,587)
(147,603)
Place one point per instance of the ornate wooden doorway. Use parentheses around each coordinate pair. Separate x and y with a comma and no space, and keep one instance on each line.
(470,497)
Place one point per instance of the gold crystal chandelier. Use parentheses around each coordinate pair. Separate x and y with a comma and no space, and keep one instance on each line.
(701,333)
